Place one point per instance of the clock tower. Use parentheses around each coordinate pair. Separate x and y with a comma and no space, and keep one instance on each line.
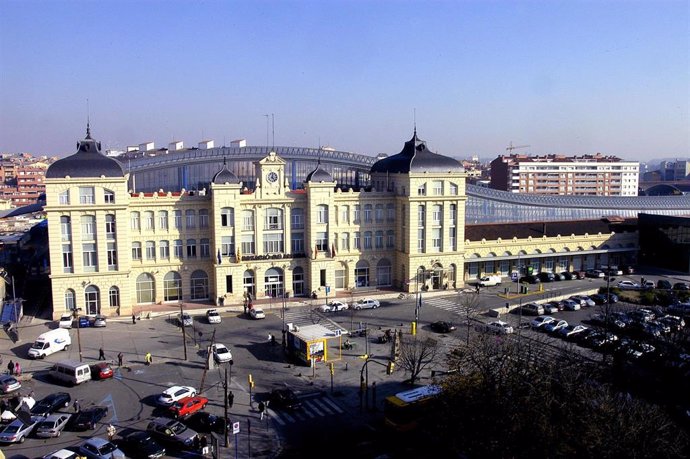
(270,177)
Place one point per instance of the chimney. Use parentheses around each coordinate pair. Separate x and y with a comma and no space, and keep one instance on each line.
(205,144)
(175,145)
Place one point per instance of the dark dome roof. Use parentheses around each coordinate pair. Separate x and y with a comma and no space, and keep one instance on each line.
(87,162)
(415,157)
(319,175)
(225,175)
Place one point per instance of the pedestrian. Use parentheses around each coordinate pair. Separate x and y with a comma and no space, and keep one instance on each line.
(134,319)
(477,290)
(111,432)
(10,367)
(231,399)
(273,340)
(148,358)
(119,359)
(197,442)
(262,408)
(76,406)
(245,306)
(17,369)
(203,442)
(101,354)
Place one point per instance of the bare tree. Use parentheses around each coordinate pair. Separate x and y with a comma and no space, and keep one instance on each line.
(418,353)
(470,304)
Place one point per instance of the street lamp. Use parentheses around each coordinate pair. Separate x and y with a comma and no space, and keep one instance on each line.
(418,294)
(75,314)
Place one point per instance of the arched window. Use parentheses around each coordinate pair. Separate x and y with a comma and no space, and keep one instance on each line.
(172,287)
(199,285)
(227,216)
(92,300)
(114,297)
(273,282)
(248,283)
(322,213)
(70,300)
(362,274)
(145,288)
(383,273)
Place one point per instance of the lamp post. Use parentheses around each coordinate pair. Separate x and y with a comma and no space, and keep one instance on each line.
(184,337)
(75,313)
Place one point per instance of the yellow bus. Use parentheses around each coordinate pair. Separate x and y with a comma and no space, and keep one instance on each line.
(404,410)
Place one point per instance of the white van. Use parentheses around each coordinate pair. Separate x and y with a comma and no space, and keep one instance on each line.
(488,281)
(49,343)
(71,372)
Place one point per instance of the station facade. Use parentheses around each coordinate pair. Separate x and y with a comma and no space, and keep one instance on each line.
(114,251)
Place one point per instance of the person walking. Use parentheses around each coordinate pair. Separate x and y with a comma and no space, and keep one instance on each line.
(148,358)
(76,406)
(101,354)
(262,408)
(134,319)
(10,367)
(111,431)
(119,359)
(231,399)
(17,368)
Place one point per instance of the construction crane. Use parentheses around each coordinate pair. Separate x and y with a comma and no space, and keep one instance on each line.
(512,147)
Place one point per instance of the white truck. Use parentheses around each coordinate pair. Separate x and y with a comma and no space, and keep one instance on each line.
(488,281)
(50,342)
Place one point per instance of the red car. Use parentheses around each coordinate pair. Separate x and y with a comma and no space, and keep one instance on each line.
(101,370)
(188,405)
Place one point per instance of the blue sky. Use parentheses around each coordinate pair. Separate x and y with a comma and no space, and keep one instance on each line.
(569,77)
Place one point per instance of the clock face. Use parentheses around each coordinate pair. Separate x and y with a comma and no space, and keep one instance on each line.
(272,177)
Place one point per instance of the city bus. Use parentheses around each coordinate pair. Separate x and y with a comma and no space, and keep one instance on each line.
(404,410)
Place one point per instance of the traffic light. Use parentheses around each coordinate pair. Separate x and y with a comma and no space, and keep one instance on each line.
(390,367)
(331,368)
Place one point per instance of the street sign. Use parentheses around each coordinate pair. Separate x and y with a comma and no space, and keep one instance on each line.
(328,289)
(235,428)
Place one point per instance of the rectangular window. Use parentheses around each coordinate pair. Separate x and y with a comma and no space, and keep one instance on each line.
(322,278)
(273,219)
(436,239)
(379,240)
(339,278)
(421,190)
(64,198)
(164,248)
(109,197)
(190,216)
(112,257)
(345,241)
(322,214)
(228,284)
(367,240)
(227,246)
(273,243)
(110,227)
(390,210)
(88,228)
(191,248)
(453,214)
(90,258)
(66,228)
(205,248)
(436,215)
(367,213)
(420,239)
(379,213)
(203,218)
(297,243)
(247,220)
(297,218)
(177,249)
(248,244)
(421,216)
(322,241)
(136,250)
(390,239)
(453,189)
(356,241)
(150,250)
(86,195)
(344,214)
(451,237)
(67,263)
(148,221)
(357,211)
(437,187)
(227,217)
(163,220)
(135,221)
(177,216)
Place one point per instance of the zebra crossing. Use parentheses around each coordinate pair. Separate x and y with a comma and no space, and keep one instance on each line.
(308,316)
(312,408)
(452,305)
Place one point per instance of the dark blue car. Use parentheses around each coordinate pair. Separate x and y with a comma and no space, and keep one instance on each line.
(84,322)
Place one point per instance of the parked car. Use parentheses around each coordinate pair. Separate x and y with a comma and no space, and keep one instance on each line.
(101,370)
(633,349)
(51,403)
(221,354)
(680,286)
(648,285)
(595,273)
(628,269)
(546,277)
(568,275)
(602,340)
(366,303)
(584,300)
(571,305)
(66,321)
(9,384)
(333,306)
(558,305)
(553,327)
(532,309)
(257,313)
(571,331)
(185,320)
(100,448)
(609,320)
(628,285)
(100,321)
(172,432)
(550,307)
(213,316)
(188,405)
(529,280)
(442,327)
(540,321)
(142,445)
(203,421)
(52,426)
(87,418)
(663,284)
(284,398)
(676,323)
(558,276)
(62,454)
(84,322)
(175,393)
(579,274)
(17,431)
(497,326)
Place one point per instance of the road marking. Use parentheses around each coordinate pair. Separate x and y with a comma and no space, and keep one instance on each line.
(108,401)
(332,404)
(276,417)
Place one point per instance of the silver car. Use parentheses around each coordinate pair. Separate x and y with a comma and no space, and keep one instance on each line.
(171,431)
(100,448)
(17,431)
(366,303)
(9,384)
(52,426)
